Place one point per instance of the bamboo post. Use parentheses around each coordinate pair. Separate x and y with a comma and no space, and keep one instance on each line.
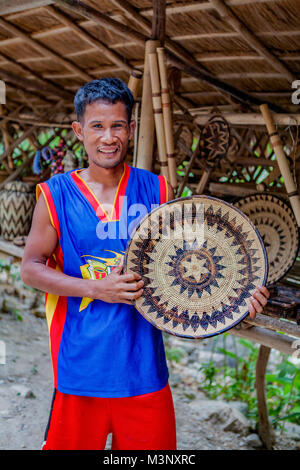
(282,162)
(167,116)
(136,133)
(146,128)
(158,116)
(133,85)
(134,82)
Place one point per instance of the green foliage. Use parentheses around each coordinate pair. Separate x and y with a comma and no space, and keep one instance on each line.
(174,354)
(4,265)
(12,269)
(17,315)
(238,383)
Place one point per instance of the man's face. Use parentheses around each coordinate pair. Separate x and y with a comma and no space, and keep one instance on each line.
(105,133)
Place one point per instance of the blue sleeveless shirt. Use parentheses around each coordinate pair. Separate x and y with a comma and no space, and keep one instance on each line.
(97,348)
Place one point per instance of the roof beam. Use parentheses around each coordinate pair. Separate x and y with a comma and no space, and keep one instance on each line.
(134,15)
(30,86)
(45,51)
(47,85)
(229,17)
(159,20)
(190,67)
(85,36)
(14,6)
(202,6)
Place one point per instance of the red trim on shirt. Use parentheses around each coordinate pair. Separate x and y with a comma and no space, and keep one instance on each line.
(56,331)
(163,186)
(95,203)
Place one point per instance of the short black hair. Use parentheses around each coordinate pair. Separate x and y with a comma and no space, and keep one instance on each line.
(107,89)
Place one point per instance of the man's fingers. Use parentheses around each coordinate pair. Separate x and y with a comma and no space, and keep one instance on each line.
(261,298)
(132,286)
(264,291)
(130,277)
(132,295)
(256,305)
(252,311)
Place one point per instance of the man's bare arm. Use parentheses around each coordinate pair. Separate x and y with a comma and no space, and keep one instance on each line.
(41,244)
(171,195)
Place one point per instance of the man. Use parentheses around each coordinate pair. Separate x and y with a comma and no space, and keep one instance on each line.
(109,365)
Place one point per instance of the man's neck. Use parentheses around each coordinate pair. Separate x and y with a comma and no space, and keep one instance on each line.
(108,177)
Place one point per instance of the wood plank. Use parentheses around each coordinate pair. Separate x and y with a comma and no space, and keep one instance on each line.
(247,119)
(10,249)
(274,324)
(202,6)
(283,343)
(14,6)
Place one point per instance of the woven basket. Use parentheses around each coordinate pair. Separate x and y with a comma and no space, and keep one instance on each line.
(277,225)
(17,202)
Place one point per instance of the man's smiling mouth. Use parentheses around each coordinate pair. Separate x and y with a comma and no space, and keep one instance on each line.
(108,150)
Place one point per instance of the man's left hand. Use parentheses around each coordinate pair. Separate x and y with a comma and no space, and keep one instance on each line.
(258,301)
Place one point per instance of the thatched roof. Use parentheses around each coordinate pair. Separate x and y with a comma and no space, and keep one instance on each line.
(228,52)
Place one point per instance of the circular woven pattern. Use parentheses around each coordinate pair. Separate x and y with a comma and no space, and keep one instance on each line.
(215,138)
(200,259)
(278,228)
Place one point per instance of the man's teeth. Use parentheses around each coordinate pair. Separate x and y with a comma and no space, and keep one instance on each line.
(108,151)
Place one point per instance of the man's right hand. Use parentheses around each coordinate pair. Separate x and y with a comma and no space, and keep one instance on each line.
(118,287)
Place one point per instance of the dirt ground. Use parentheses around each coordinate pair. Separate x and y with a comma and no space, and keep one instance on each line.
(26,390)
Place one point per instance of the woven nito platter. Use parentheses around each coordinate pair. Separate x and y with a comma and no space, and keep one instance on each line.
(278,228)
(214,140)
(200,259)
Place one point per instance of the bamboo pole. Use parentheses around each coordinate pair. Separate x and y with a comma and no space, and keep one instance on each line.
(146,131)
(158,116)
(134,82)
(282,162)
(167,116)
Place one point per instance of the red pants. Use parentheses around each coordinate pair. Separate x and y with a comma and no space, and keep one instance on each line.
(143,422)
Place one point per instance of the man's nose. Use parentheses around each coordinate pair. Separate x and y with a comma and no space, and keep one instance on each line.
(107,136)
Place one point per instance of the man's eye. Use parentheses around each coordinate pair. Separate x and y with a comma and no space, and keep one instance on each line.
(97,126)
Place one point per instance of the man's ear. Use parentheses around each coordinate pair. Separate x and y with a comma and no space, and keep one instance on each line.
(132,126)
(77,128)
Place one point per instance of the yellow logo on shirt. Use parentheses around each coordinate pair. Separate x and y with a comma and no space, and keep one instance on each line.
(97,268)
